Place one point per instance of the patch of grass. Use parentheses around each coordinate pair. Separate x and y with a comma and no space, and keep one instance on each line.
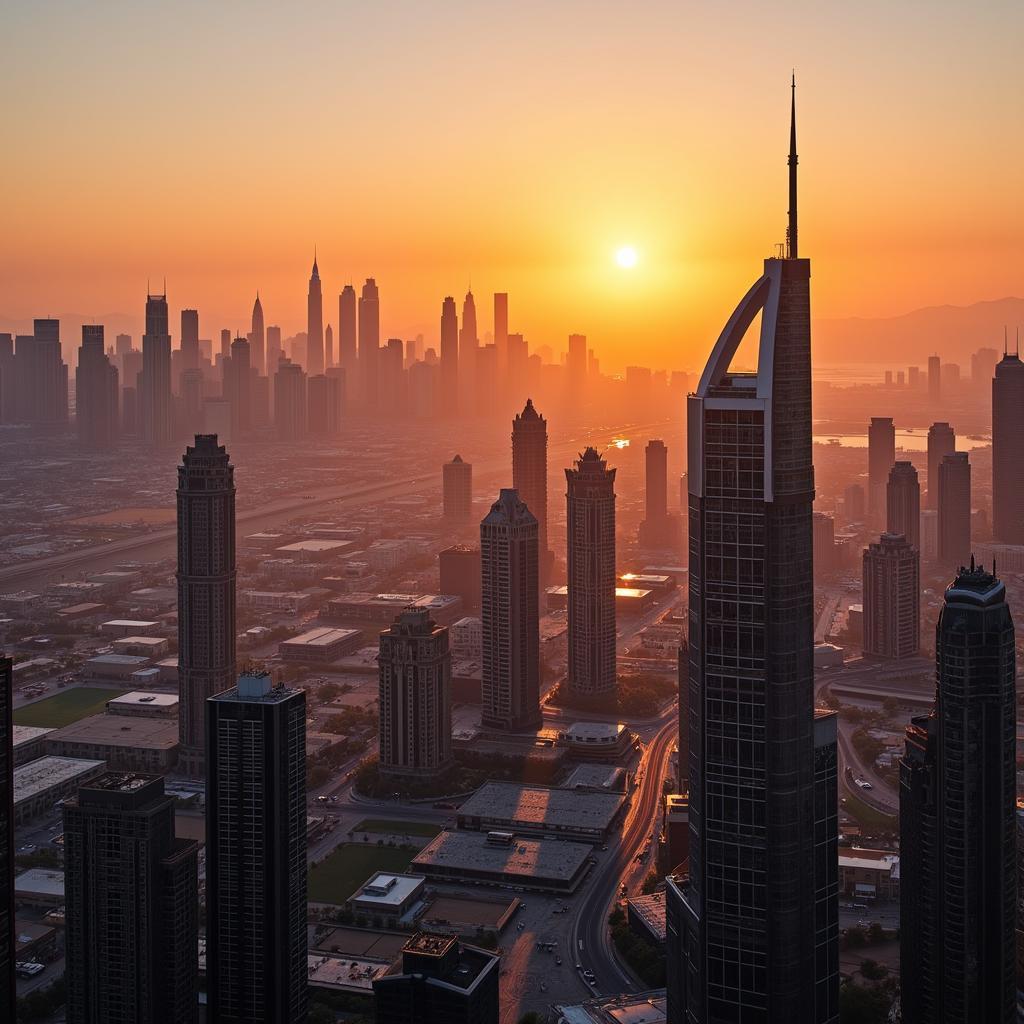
(394,827)
(867,815)
(64,708)
(335,879)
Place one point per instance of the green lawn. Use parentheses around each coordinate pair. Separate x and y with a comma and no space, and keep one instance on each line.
(867,815)
(336,878)
(67,707)
(394,827)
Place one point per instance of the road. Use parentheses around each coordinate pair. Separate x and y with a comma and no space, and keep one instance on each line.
(590,941)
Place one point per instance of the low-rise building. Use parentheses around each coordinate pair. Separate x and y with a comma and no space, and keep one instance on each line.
(118,667)
(151,647)
(291,602)
(646,917)
(29,743)
(597,778)
(157,598)
(39,887)
(601,740)
(467,637)
(124,742)
(144,704)
(39,784)
(321,645)
(314,550)
(388,896)
(34,941)
(383,609)
(130,627)
(869,874)
(88,611)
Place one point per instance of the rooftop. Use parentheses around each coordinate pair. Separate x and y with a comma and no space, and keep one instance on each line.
(28,733)
(322,637)
(144,698)
(315,545)
(128,660)
(40,881)
(45,773)
(388,890)
(595,732)
(121,731)
(540,807)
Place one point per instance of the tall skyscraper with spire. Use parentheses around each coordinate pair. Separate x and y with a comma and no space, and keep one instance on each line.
(469,348)
(753,932)
(1008,450)
(449,357)
(369,343)
(314,324)
(206,588)
(347,353)
(258,338)
(155,377)
(530,479)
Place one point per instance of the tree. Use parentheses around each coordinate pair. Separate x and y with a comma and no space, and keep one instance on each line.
(328,691)
(873,970)
(861,1005)
(650,883)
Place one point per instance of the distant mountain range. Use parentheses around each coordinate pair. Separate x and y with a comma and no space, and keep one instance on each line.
(953,332)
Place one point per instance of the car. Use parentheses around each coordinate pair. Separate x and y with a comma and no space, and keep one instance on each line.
(558,961)
(588,974)
(866,785)
(29,968)
(579,967)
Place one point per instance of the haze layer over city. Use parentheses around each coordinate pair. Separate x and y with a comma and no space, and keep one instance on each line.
(458,562)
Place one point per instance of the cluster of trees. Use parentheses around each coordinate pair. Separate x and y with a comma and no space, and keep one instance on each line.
(42,1003)
(640,694)
(644,958)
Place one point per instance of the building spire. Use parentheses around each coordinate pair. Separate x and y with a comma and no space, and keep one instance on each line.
(791,230)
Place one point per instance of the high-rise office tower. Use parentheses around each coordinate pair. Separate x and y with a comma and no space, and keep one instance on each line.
(983,369)
(449,357)
(96,391)
(328,347)
(510,670)
(192,401)
(658,529)
(439,979)
(238,387)
(934,379)
(369,342)
(823,530)
(1008,451)
(530,479)
(903,503)
(391,379)
(314,324)
(256,963)
(324,405)
(290,401)
(273,354)
(576,367)
(155,378)
(590,558)
(958,884)
(954,511)
(881,456)
(189,339)
(517,366)
(206,588)
(132,905)
(501,333)
(469,347)
(225,344)
(892,597)
(941,442)
(7,935)
(457,488)
(755,934)
(348,357)
(415,673)
(258,338)
(40,394)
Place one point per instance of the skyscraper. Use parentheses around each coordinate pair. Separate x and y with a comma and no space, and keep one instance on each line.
(892,598)
(256,967)
(96,391)
(954,511)
(530,479)
(756,924)
(469,346)
(7,936)
(189,340)
(258,338)
(328,347)
(941,442)
(415,673)
(323,405)
(439,979)
(658,529)
(206,588)
(934,379)
(501,332)
(576,368)
(823,531)
(590,557)
(510,670)
(273,355)
(903,503)
(1008,451)
(238,387)
(290,401)
(881,456)
(314,324)
(132,905)
(449,357)
(369,342)
(155,378)
(457,488)
(958,884)
(41,377)
(347,355)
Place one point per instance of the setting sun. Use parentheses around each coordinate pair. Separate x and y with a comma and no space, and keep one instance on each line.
(626,257)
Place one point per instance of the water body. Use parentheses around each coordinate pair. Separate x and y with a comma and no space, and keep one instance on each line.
(906,440)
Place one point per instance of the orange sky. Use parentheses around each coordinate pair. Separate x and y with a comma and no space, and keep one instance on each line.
(517,144)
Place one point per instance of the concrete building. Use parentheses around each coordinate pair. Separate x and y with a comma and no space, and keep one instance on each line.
(459,571)
(903,503)
(824,540)
(206,587)
(132,905)
(954,511)
(29,740)
(139,704)
(892,598)
(389,896)
(941,442)
(39,784)
(96,392)
(1008,450)
(321,645)
(457,487)
(590,534)
(125,743)
(113,667)
(466,636)
(869,874)
(415,672)
(151,647)
(530,478)
(381,609)
(510,650)
(881,456)
(602,740)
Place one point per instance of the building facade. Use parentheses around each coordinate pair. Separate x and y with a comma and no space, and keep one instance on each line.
(530,477)
(256,867)
(892,598)
(7,936)
(314,324)
(954,511)
(96,391)
(457,488)
(941,442)
(510,669)
(1008,450)
(903,503)
(206,588)
(155,407)
(881,456)
(958,887)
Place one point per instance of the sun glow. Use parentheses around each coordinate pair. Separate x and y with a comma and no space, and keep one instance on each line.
(626,257)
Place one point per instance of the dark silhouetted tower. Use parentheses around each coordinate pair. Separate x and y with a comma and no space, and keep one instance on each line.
(958,882)
(258,338)
(892,598)
(941,442)
(1008,451)
(206,588)
(155,378)
(510,671)
(369,342)
(469,347)
(328,347)
(881,456)
(954,511)
(934,379)
(457,488)
(256,947)
(415,676)
(96,391)
(290,401)
(501,332)
(449,357)
(7,934)
(132,905)
(903,503)
(314,324)
(755,927)
(189,339)
(238,387)
(590,557)
(347,354)
(530,478)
